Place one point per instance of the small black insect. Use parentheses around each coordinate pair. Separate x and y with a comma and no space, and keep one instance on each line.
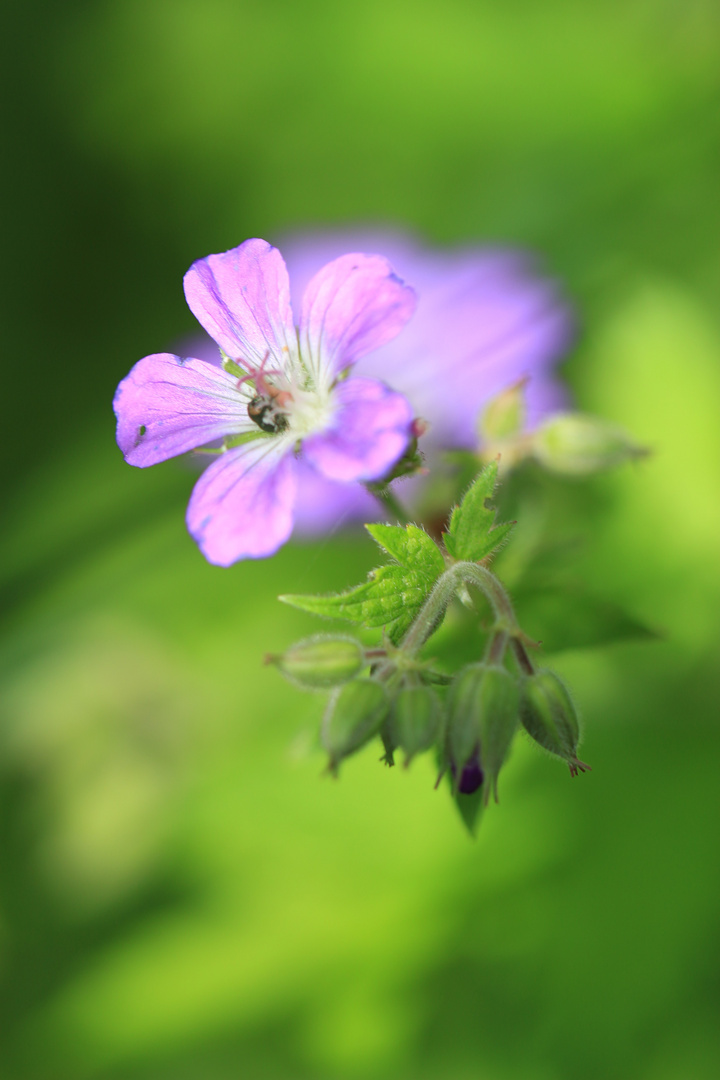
(265,414)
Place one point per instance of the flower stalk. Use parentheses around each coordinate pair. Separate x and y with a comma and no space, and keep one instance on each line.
(462,573)
(389,501)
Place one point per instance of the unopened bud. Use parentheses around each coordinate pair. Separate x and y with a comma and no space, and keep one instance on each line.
(499,721)
(463,730)
(482,719)
(471,778)
(416,719)
(322,661)
(549,716)
(354,714)
(576,444)
(504,415)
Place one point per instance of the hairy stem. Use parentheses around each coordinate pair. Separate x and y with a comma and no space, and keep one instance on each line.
(443,592)
(496,647)
(521,655)
(387,499)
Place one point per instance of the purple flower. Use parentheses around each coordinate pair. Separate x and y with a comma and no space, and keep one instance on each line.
(279,390)
(485,318)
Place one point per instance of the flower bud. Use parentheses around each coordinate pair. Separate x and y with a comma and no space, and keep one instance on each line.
(504,415)
(416,719)
(354,714)
(499,721)
(463,730)
(482,719)
(549,716)
(321,661)
(471,778)
(577,445)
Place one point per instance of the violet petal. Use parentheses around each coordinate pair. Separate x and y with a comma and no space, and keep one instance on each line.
(369,432)
(242,298)
(168,405)
(485,318)
(353,305)
(241,507)
(471,778)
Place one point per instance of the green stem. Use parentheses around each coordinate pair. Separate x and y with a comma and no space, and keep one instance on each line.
(445,588)
(524,662)
(496,647)
(492,587)
(387,499)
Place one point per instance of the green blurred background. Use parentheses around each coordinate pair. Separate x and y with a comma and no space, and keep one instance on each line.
(181,896)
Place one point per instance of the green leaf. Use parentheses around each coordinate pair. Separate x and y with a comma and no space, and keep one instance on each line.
(472,534)
(393,595)
(411,547)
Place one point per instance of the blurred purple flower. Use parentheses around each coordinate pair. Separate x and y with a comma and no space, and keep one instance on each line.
(485,318)
(278,389)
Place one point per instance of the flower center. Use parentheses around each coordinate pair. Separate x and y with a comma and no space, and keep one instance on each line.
(285,402)
(309,411)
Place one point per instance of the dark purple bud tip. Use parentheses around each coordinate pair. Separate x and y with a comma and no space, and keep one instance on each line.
(470,778)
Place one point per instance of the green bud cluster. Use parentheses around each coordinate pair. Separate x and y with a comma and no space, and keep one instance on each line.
(467,717)
(470,720)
